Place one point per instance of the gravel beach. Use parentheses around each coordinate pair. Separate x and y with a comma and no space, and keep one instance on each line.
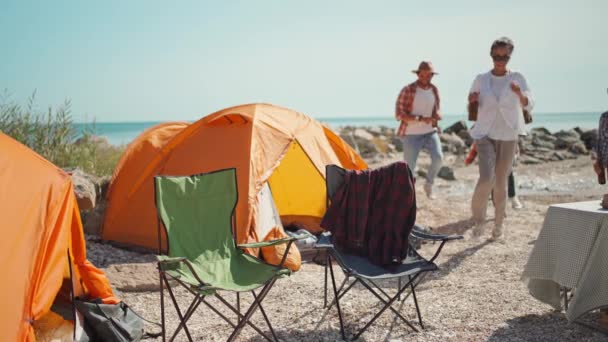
(477,295)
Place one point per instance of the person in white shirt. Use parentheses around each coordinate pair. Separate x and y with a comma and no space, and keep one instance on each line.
(418,110)
(502,95)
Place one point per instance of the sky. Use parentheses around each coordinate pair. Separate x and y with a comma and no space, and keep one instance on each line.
(120,61)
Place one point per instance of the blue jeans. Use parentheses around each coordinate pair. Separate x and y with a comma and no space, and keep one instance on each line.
(413,144)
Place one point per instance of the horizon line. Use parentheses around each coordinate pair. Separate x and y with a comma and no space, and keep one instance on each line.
(320,118)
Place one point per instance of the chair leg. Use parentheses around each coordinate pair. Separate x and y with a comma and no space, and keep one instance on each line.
(396,312)
(416,302)
(252,309)
(399,287)
(191,309)
(238,306)
(325,285)
(342,293)
(265,318)
(386,306)
(420,280)
(179,313)
(237,313)
(381,290)
(162,304)
(337,298)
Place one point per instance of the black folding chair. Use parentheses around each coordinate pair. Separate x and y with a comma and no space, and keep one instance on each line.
(414,267)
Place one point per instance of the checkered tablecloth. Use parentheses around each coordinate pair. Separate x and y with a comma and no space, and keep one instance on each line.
(571,251)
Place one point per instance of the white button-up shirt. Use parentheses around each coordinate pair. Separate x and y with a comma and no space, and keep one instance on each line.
(500,114)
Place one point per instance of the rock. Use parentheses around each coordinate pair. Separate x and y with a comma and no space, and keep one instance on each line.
(361,141)
(102,187)
(382,146)
(578,148)
(457,127)
(452,143)
(84,188)
(569,133)
(590,138)
(565,141)
(466,137)
(398,143)
(363,134)
(545,137)
(542,130)
(559,156)
(537,142)
(376,131)
(93,219)
(446,173)
(525,159)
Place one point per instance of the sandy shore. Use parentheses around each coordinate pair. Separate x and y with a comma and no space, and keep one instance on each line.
(476,296)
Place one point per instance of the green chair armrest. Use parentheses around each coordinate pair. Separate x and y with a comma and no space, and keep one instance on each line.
(266,243)
(273,242)
(166,263)
(169,260)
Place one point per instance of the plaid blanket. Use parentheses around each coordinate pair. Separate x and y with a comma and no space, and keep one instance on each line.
(373,213)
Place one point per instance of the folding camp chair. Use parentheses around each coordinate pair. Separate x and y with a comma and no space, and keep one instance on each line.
(414,267)
(197,213)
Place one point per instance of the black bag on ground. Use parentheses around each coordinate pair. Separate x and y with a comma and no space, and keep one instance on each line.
(110,322)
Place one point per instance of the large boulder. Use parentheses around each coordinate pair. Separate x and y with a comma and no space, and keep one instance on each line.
(84,188)
(457,127)
(590,138)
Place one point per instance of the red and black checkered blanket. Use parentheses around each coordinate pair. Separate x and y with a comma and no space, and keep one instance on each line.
(372,214)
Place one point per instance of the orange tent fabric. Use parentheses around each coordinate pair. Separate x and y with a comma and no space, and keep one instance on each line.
(40,223)
(265,143)
(133,162)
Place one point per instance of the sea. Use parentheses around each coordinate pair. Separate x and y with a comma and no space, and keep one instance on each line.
(122,133)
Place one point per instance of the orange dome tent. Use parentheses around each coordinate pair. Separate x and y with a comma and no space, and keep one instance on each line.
(137,157)
(43,245)
(267,144)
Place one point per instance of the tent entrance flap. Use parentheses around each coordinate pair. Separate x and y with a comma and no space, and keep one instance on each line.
(297,186)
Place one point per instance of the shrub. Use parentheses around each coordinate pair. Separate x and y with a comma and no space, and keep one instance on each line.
(53,136)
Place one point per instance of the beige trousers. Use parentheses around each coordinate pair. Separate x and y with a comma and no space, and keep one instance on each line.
(495,162)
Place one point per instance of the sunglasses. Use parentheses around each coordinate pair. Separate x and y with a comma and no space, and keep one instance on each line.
(501,58)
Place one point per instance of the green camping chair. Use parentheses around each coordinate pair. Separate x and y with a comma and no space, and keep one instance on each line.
(197,213)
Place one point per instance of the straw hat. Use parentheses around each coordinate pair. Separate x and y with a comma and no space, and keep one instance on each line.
(425,65)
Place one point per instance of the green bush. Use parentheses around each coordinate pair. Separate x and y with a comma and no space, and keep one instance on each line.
(53,136)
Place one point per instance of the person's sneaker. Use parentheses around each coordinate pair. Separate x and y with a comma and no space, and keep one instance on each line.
(515,203)
(428,188)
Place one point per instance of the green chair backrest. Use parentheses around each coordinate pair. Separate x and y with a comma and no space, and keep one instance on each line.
(197,213)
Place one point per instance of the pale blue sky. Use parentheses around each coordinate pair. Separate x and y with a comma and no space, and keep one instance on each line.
(156,60)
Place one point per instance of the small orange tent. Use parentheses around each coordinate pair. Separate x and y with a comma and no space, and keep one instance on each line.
(267,144)
(41,228)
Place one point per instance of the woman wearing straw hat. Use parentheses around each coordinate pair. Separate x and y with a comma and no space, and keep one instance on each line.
(418,110)
(502,96)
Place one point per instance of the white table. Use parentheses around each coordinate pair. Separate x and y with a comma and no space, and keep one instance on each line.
(571,251)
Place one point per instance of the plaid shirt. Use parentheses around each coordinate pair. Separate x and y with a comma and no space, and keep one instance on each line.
(373,213)
(405,102)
